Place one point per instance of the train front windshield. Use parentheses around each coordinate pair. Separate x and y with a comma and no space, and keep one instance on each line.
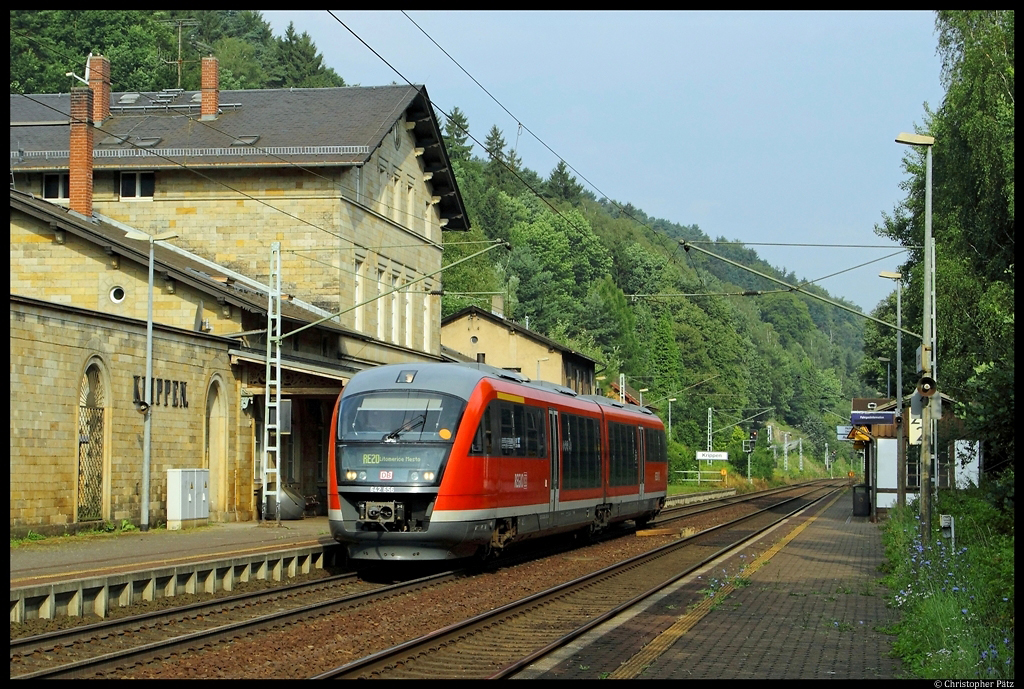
(396,436)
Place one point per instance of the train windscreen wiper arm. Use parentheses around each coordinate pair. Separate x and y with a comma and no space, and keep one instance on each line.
(412,423)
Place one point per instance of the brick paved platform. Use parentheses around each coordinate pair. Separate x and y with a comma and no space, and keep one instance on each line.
(805,602)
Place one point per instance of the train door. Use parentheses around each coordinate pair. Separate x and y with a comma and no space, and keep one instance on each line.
(555,453)
(641,457)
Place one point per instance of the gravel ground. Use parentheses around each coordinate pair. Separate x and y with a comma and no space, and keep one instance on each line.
(320,644)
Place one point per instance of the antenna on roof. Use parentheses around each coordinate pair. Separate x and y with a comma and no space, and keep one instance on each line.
(179,61)
(86,80)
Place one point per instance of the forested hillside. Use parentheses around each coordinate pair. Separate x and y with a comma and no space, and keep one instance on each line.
(609,281)
(602,277)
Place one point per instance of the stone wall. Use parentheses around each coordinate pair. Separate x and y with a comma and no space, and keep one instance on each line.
(52,349)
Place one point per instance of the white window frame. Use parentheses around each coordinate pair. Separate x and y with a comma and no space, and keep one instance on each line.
(358,294)
(63,184)
(138,186)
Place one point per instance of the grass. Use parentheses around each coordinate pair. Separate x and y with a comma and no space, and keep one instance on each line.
(955,599)
(106,529)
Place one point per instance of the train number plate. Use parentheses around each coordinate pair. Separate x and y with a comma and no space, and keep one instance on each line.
(382,489)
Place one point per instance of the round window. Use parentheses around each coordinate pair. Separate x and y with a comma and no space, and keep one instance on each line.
(473,339)
(117,295)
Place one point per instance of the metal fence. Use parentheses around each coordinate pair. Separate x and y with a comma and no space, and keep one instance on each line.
(710,476)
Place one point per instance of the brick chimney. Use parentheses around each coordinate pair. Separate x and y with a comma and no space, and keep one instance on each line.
(99,82)
(80,180)
(211,89)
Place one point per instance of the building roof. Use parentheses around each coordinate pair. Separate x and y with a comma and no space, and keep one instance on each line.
(512,325)
(254,128)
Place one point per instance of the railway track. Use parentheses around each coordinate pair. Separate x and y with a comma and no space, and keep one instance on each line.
(108,648)
(97,648)
(498,643)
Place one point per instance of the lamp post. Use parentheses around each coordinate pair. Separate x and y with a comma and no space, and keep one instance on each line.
(901,465)
(147,407)
(642,391)
(888,375)
(927,363)
(538,365)
(670,401)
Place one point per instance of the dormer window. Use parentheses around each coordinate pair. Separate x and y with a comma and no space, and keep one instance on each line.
(136,185)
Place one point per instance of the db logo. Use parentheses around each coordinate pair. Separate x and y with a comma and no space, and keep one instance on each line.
(386,475)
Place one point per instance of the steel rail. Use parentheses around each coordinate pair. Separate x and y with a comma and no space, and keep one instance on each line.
(378,664)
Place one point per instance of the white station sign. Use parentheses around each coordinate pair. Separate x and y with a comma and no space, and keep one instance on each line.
(712,455)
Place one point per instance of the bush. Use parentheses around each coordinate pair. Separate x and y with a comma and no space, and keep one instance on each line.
(955,598)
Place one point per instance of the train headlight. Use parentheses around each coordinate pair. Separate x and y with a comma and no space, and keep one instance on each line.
(414,476)
(362,475)
(350,475)
(428,475)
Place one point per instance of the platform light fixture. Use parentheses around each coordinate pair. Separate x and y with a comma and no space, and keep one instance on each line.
(928,331)
(147,439)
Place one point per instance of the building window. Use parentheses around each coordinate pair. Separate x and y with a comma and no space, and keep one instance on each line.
(426,318)
(408,318)
(395,321)
(380,304)
(136,185)
(117,294)
(359,298)
(56,186)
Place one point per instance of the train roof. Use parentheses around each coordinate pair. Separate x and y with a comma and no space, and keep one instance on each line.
(461,378)
(456,378)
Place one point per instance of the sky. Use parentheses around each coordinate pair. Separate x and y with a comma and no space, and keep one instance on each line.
(761,127)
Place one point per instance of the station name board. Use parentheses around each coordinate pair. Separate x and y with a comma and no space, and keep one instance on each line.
(872,417)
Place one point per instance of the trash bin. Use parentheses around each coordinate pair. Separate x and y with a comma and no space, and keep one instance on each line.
(861,500)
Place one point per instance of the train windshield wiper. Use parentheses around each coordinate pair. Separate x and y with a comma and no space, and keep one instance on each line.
(412,423)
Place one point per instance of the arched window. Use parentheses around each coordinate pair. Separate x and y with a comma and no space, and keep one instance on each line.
(92,405)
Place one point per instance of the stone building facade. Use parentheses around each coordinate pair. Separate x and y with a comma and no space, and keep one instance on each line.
(76,437)
(489,338)
(353,183)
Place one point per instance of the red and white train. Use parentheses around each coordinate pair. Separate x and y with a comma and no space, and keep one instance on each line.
(440,461)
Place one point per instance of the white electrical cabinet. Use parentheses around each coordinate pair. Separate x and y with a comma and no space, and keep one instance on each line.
(187,498)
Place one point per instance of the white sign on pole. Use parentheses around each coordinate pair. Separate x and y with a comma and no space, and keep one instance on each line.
(842,432)
(712,455)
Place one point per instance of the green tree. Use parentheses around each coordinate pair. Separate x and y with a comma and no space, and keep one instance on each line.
(301,65)
(456,136)
(973,224)
(563,186)
(45,44)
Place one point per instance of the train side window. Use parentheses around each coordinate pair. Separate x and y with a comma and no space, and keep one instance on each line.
(623,451)
(569,445)
(593,456)
(512,425)
(481,444)
(535,426)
